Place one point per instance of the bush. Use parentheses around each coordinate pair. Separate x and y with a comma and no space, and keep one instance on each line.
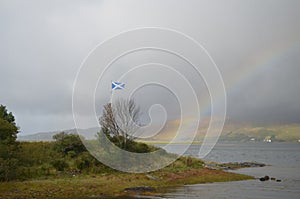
(60,165)
(86,161)
(138,147)
(72,154)
(83,163)
(132,146)
(66,143)
(8,169)
(8,145)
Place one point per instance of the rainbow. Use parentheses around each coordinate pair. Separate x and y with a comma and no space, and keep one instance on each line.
(257,64)
(261,62)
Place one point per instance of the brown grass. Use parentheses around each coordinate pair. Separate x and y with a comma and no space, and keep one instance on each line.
(110,185)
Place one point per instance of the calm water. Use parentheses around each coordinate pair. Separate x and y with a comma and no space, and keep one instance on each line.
(284,159)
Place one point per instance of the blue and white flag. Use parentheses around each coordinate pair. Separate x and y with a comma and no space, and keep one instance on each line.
(117,85)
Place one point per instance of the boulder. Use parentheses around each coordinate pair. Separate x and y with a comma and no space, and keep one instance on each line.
(262,179)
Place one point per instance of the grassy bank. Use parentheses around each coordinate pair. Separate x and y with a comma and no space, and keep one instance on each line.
(65,169)
(111,185)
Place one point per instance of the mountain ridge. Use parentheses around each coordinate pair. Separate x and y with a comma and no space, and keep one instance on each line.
(232,131)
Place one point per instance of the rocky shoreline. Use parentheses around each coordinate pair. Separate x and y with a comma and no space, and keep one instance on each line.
(213,166)
(233,165)
(266,178)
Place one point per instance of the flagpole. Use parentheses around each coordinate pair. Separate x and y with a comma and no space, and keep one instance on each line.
(110,97)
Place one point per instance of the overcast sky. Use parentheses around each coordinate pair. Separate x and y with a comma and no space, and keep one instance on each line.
(256,45)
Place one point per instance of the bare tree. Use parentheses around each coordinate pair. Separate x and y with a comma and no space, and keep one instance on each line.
(108,122)
(121,120)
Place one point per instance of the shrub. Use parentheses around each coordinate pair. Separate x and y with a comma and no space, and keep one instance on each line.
(66,143)
(8,169)
(60,165)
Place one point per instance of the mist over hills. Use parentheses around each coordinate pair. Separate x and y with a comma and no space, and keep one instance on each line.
(89,134)
(232,131)
(239,131)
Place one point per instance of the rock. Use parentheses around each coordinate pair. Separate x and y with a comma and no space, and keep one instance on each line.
(238,165)
(266,178)
(262,179)
(141,189)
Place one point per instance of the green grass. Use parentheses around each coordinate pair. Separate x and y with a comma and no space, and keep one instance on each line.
(110,185)
(39,177)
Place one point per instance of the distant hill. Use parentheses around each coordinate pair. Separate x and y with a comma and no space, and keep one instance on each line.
(47,136)
(238,131)
(232,131)
(268,133)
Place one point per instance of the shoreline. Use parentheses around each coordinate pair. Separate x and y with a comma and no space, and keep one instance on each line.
(113,185)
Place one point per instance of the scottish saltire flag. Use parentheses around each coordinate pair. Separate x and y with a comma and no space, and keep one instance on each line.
(117,85)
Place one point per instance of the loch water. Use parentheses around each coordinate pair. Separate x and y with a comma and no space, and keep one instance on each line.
(283,160)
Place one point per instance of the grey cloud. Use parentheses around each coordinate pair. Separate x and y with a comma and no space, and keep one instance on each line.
(44,42)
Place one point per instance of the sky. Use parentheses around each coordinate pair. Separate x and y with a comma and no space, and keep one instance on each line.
(255,44)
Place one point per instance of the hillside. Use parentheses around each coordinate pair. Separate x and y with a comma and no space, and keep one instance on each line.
(232,131)
(47,136)
(238,131)
(268,133)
